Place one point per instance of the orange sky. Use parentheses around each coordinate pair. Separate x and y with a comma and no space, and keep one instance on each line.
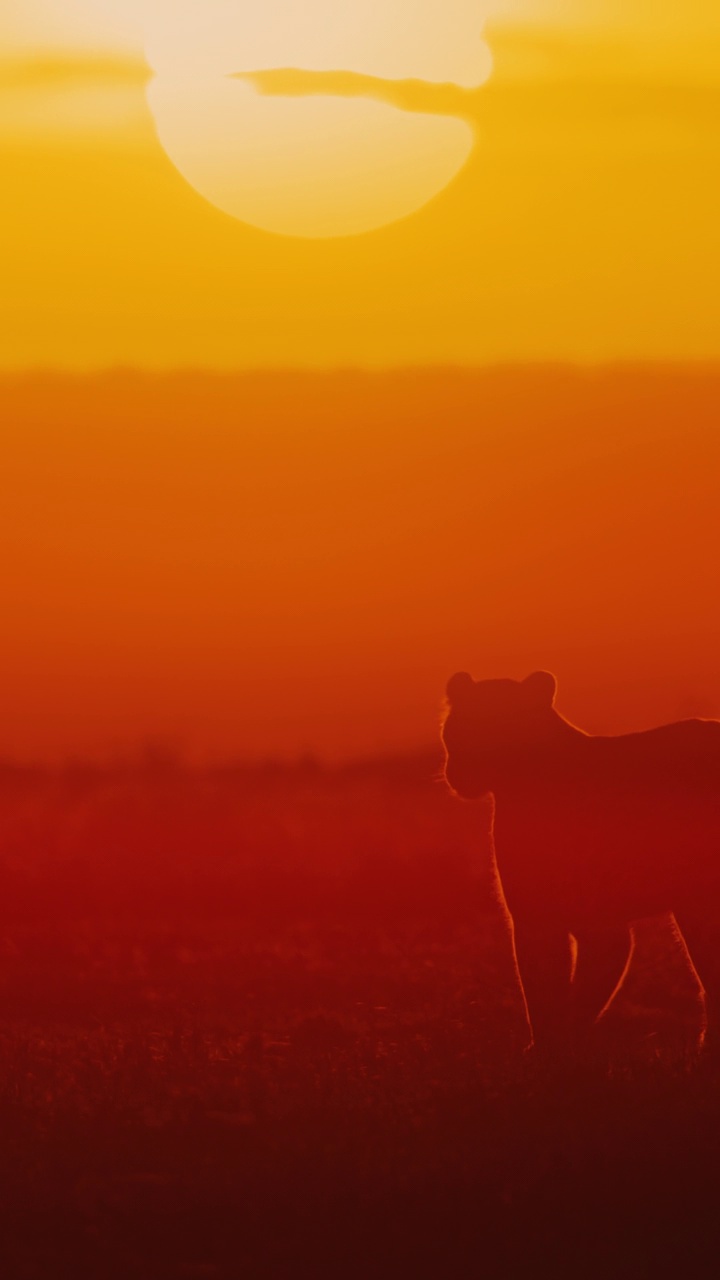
(294,561)
(278,563)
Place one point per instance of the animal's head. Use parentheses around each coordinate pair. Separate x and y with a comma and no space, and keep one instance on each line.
(495,726)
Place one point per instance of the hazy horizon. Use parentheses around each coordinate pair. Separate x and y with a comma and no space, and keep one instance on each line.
(291,564)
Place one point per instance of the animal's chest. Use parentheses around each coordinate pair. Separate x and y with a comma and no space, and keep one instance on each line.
(537,845)
(586,851)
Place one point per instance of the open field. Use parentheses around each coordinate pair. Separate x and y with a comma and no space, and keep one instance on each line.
(264,1023)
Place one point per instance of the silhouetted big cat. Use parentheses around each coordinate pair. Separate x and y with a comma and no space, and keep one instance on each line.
(591,834)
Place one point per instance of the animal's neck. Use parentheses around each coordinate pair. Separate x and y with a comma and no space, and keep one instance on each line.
(536,768)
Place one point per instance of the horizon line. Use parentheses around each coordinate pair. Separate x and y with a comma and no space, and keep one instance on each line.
(640,364)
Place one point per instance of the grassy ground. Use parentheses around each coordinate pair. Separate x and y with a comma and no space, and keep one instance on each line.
(266,1025)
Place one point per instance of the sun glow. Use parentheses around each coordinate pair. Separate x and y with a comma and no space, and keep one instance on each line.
(313,166)
(326,163)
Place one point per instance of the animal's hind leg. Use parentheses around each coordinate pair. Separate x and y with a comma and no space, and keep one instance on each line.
(603,958)
(700,931)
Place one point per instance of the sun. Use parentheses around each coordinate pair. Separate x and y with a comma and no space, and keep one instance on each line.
(331,149)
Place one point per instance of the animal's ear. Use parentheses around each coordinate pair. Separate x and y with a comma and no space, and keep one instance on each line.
(459,687)
(540,688)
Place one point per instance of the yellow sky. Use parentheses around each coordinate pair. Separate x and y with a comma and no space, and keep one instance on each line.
(37,24)
(584,227)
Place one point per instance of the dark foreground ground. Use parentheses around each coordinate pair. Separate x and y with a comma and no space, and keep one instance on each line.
(264,1024)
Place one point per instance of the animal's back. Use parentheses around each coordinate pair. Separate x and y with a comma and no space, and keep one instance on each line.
(683,754)
(628,824)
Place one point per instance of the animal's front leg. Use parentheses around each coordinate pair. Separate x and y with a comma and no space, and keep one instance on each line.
(544,957)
